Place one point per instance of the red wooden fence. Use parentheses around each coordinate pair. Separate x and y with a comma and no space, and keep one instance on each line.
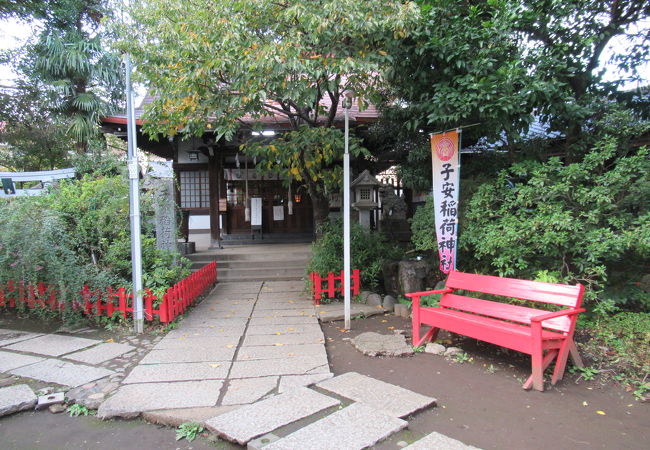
(334,284)
(112,301)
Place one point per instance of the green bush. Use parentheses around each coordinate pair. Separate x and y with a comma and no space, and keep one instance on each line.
(369,250)
(79,234)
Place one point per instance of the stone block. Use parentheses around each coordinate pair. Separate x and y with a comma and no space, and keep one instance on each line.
(437,440)
(8,337)
(101,353)
(389,303)
(402,310)
(374,300)
(280,351)
(262,441)
(52,344)
(16,398)
(251,421)
(175,417)
(389,398)
(157,373)
(132,399)
(248,390)
(289,366)
(282,329)
(285,339)
(63,373)
(289,382)
(189,354)
(375,344)
(52,399)
(355,427)
(10,360)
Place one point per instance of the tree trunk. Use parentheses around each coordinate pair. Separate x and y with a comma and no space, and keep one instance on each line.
(321,208)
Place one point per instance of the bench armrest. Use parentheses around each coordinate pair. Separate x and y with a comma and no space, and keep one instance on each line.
(436,291)
(551,315)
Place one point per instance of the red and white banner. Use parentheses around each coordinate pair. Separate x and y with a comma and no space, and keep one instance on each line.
(446,180)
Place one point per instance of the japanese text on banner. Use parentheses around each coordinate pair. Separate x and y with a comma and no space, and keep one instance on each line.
(444,156)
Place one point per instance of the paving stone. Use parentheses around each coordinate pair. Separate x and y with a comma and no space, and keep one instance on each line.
(302,312)
(198,321)
(156,373)
(206,332)
(355,427)
(197,341)
(248,390)
(392,400)
(375,344)
(285,339)
(282,329)
(16,398)
(280,352)
(289,382)
(262,441)
(132,399)
(278,306)
(262,417)
(101,353)
(290,366)
(189,354)
(284,286)
(175,417)
(9,360)
(52,344)
(335,311)
(437,440)
(60,372)
(286,320)
(8,337)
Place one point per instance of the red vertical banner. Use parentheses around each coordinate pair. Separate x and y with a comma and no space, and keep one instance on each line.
(446,184)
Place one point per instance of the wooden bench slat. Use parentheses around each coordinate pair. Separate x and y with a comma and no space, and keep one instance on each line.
(503,311)
(557,294)
(495,331)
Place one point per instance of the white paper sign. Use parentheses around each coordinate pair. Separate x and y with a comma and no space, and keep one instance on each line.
(278,212)
(256,211)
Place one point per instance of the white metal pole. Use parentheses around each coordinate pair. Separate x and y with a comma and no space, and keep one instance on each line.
(346,217)
(134,203)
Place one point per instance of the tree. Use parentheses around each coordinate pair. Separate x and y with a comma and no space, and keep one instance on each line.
(208,64)
(35,138)
(69,60)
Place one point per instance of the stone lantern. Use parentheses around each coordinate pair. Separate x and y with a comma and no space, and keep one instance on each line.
(365,191)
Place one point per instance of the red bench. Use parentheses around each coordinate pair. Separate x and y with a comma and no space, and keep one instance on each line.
(546,336)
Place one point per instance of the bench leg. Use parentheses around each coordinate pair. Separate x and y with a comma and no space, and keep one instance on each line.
(568,348)
(546,361)
(428,337)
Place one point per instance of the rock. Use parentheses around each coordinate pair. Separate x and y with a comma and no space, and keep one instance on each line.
(402,444)
(374,300)
(363,296)
(453,351)
(89,385)
(434,349)
(51,399)
(375,344)
(389,303)
(412,275)
(110,387)
(58,408)
(389,271)
(16,398)
(401,309)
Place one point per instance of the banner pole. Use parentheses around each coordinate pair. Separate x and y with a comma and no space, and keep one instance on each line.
(460,145)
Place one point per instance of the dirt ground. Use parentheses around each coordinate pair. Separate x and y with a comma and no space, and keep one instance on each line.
(481,402)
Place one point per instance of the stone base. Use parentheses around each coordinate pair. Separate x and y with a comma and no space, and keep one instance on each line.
(186,248)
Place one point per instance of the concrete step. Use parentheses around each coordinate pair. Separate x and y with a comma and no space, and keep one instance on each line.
(265,264)
(262,256)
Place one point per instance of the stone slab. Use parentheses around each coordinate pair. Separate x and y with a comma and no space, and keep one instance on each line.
(248,390)
(8,337)
(102,352)
(9,360)
(388,398)
(283,312)
(189,354)
(280,351)
(185,342)
(285,339)
(284,320)
(375,344)
(289,382)
(199,321)
(290,366)
(133,399)
(64,373)
(275,305)
(262,417)
(206,332)
(437,440)
(157,373)
(51,399)
(16,398)
(282,329)
(283,286)
(355,427)
(334,311)
(175,417)
(52,344)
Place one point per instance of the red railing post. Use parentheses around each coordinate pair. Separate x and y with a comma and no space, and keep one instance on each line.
(12,298)
(356,281)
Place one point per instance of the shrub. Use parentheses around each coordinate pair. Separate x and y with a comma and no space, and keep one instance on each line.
(369,250)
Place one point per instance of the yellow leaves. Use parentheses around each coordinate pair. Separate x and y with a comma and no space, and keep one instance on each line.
(214,366)
(110,340)
(273,148)
(314,178)
(601,413)
(382,53)
(295,171)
